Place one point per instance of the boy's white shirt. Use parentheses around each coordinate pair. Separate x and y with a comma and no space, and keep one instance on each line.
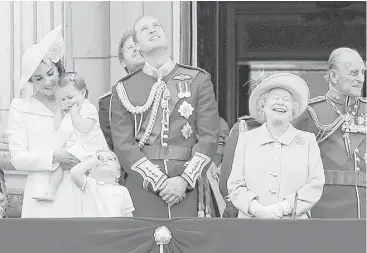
(105,199)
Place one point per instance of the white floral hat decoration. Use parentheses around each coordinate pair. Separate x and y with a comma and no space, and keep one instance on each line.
(290,82)
(50,49)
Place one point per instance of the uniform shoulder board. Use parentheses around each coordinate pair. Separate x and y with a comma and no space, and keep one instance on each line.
(363,99)
(129,75)
(106,94)
(246,117)
(317,99)
(192,67)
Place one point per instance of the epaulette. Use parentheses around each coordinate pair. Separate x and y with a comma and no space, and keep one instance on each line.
(246,117)
(108,93)
(317,99)
(192,67)
(129,75)
(363,99)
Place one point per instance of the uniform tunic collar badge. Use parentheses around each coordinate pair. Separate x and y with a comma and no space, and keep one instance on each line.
(339,98)
(164,70)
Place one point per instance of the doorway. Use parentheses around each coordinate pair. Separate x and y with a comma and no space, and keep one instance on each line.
(236,40)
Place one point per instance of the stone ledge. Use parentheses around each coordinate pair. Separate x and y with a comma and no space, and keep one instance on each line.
(15,202)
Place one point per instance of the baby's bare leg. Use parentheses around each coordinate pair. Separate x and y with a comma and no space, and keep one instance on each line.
(48,193)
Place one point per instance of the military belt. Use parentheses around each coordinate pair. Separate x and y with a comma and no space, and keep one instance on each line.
(171,153)
(339,177)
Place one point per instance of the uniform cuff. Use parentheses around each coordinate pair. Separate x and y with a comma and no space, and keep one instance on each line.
(150,173)
(194,168)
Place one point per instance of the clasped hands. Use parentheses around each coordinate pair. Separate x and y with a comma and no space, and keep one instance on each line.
(274,211)
(173,189)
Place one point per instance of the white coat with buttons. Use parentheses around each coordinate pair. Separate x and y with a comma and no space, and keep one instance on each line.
(275,170)
(32,139)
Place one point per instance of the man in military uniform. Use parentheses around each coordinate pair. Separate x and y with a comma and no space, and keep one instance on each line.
(164,127)
(130,59)
(338,120)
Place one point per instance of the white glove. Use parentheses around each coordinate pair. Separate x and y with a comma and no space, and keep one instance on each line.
(265,212)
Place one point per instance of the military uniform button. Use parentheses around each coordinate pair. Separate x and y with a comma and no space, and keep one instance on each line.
(164,144)
(358,159)
(276,157)
(358,169)
(165,136)
(273,191)
(356,151)
(277,145)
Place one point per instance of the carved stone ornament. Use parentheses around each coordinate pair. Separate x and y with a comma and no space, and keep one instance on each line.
(162,236)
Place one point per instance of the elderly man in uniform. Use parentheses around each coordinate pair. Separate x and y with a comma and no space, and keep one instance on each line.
(131,60)
(338,119)
(164,127)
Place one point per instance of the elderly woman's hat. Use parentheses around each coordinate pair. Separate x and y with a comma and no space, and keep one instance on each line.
(50,49)
(290,82)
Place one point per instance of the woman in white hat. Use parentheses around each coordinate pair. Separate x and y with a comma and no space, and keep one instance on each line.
(31,131)
(277,170)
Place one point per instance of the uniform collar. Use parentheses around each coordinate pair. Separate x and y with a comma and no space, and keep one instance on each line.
(339,98)
(286,139)
(164,70)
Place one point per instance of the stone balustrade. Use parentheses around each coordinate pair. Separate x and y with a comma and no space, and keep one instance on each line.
(15,181)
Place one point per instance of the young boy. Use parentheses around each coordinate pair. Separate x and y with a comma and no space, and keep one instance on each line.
(103,196)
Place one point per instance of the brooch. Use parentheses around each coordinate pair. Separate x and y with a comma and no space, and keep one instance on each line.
(186,131)
(299,140)
(185,110)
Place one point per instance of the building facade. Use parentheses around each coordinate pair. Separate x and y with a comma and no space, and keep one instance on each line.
(91,31)
(233,41)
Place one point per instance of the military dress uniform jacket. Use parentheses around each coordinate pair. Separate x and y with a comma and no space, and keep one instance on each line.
(180,142)
(104,117)
(339,122)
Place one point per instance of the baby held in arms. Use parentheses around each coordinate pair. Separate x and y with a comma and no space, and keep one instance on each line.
(98,178)
(77,130)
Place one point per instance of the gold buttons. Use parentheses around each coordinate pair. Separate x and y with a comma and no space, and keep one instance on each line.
(273,191)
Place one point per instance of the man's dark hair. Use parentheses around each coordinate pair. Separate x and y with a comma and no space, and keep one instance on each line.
(124,38)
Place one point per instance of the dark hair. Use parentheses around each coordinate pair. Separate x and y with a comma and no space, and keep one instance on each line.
(75,79)
(128,34)
(60,69)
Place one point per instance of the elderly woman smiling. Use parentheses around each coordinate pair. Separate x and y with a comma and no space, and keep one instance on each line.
(277,170)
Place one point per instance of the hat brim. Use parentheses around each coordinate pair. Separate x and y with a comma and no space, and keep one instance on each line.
(290,82)
(42,49)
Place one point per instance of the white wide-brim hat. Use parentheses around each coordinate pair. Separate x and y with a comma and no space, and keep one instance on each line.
(290,82)
(50,48)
